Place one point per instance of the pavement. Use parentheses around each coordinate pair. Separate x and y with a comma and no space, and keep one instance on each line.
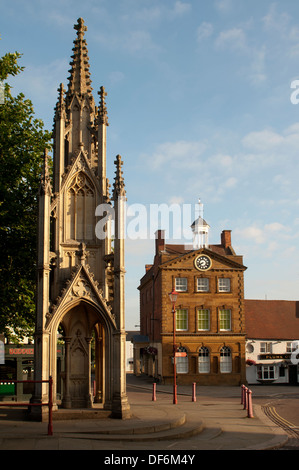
(216,420)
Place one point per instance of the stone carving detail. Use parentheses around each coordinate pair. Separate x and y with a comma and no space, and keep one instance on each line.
(83,287)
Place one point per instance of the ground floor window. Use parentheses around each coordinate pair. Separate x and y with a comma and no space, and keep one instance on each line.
(203,361)
(182,365)
(265,372)
(225,360)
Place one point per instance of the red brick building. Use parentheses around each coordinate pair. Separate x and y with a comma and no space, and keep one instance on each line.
(210,316)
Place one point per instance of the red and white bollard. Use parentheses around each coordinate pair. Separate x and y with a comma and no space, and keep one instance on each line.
(249,404)
(194,391)
(154,396)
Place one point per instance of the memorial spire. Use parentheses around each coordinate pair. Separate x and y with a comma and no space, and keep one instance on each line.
(79,79)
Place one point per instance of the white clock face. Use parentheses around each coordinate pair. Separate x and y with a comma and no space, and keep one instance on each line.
(203,262)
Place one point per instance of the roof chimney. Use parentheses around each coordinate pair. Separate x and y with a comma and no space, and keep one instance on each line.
(160,241)
(226,238)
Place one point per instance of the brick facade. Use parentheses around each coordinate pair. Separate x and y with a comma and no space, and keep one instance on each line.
(210,317)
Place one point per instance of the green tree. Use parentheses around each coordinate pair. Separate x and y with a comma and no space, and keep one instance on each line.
(22,143)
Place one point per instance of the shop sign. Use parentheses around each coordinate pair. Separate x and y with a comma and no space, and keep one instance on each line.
(21,351)
(275,356)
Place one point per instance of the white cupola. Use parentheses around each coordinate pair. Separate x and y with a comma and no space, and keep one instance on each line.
(200,229)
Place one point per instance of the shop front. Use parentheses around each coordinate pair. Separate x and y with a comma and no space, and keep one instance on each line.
(18,364)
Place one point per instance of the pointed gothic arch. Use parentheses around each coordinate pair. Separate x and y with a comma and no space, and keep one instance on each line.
(79,319)
(80,208)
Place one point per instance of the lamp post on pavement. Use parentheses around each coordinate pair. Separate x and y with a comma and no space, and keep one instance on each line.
(173,297)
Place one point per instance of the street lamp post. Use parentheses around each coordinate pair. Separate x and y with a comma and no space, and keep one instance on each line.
(173,297)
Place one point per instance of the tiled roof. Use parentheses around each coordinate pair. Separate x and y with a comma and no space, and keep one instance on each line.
(272,319)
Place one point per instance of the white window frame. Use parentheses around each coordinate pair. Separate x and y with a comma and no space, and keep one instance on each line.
(207,312)
(266,347)
(181,284)
(182,363)
(229,320)
(204,363)
(224,284)
(226,363)
(205,287)
(266,372)
(292,346)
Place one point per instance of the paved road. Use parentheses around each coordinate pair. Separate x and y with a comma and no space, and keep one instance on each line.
(218,418)
(284,411)
(280,403)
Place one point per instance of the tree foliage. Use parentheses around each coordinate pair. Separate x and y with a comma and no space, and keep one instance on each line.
(22,143)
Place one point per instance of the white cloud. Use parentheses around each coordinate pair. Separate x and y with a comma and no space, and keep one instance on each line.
(223,5)
(230,182)
(258,69)
(135,42)
(40,83)
(204,31)
(252,232)
(262,140)
(263,234)
(180,8)
(234,39)
(177,154)
(274,21)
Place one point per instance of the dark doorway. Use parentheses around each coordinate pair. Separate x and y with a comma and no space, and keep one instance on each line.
(293,375)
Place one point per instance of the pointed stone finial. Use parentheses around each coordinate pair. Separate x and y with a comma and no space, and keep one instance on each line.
(119,184)
(60,106)
(79,80)
(80,27)
(45,181)
(103,115)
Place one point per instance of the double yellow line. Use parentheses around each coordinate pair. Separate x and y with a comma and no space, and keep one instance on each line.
(271,412)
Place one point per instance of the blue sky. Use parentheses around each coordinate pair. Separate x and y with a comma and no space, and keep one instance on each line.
(199,106)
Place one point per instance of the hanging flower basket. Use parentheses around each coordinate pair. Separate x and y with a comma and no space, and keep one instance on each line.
(250,362)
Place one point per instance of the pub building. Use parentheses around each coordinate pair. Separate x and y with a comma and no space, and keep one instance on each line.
(272,343)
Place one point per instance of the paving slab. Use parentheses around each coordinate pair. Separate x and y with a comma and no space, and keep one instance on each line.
(215,421)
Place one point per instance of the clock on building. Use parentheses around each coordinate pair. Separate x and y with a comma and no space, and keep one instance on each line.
(202,262)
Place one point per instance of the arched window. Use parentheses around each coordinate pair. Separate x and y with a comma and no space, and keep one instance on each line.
(225,360)
(80,216)
(182,363)
(203,360)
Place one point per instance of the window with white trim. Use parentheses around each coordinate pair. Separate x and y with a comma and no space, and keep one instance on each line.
(291,346)
(203,360)
(182,363)
(266,347)
(182,319)
(225,360)
(203,284)
(203,319)
(224,284)
(181,284)
(265,372)
(225,319)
